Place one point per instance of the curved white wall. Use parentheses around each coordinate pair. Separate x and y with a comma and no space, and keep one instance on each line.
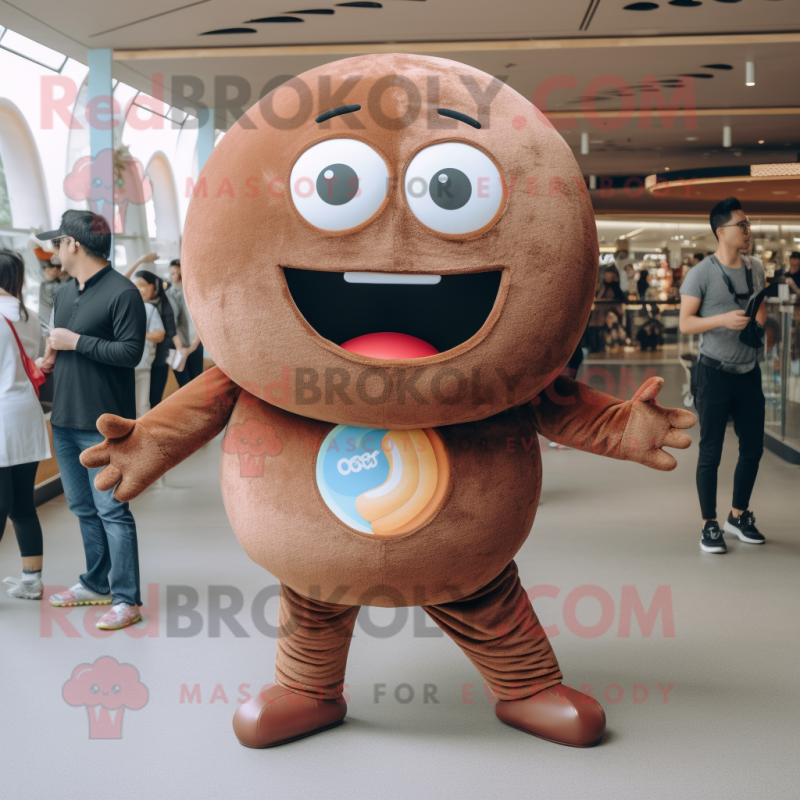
(167,237)
(23,167)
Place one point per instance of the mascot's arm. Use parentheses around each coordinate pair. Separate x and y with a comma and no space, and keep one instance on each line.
(574,414)
(138,452)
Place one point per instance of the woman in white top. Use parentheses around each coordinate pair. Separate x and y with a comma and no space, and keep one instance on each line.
(23,432)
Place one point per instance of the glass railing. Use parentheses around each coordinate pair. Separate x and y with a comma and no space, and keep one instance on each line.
(780,374)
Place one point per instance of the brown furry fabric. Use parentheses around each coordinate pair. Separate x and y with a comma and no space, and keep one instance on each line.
(545,242)
(457,561)
(495,626)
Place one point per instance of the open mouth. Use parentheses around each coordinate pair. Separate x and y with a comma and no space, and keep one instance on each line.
(440,311)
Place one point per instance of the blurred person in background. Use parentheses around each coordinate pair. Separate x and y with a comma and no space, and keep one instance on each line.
(610,288)
(651,335)
(192,348)
(614,334)
(23,431)
(152,291)
(642,282)
(54,280)
(792,276)
(154,335)
(624,277)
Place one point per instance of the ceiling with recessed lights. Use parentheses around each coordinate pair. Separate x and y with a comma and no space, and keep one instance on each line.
(708,72)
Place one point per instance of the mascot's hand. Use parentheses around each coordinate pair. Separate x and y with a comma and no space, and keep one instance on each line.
(131,457)
(651,427)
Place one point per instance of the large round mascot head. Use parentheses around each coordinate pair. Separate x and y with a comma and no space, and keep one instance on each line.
(391,240)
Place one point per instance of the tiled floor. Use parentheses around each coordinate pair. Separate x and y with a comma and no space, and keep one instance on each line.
(709,712)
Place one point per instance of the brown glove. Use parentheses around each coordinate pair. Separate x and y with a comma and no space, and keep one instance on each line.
(130,455)
(138,452)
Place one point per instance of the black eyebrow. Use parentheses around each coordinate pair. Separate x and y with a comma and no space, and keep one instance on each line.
(335,112)
(446,112)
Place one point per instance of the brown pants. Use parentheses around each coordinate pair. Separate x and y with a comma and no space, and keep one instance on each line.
(496,628)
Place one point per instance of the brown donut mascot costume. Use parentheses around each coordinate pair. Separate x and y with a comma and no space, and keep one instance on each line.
(368,259)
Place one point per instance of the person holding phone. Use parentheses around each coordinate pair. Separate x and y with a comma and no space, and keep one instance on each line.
(716,297)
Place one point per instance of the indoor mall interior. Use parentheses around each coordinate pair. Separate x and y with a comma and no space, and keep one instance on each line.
(332,335)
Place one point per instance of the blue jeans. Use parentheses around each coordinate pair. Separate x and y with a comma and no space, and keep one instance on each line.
(107,526)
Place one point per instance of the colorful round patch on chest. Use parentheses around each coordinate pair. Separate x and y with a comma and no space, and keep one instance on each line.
(383,482)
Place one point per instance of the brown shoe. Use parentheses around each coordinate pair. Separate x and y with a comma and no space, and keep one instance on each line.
(279,715)
(558,714)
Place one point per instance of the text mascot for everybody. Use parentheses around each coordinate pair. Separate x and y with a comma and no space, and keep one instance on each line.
(368,257)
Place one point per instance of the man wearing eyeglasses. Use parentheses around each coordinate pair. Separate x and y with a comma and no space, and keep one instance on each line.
(714,296)
(96,341)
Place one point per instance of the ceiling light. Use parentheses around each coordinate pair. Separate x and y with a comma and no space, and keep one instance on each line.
(584,144)
(692,138)
(750,73)
(277,19)
(761,141)
(225,31)
(666,169)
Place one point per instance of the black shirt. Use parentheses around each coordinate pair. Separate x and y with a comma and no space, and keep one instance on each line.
(97,377)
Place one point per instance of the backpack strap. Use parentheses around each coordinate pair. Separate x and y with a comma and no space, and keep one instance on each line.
(748,277)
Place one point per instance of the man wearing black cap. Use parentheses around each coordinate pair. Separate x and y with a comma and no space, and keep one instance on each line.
(97,339)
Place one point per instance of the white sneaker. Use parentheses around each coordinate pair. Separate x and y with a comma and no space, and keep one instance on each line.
(119,616)
(79,595)
(25,589)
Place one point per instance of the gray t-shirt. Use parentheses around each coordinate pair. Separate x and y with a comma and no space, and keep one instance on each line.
(706,282)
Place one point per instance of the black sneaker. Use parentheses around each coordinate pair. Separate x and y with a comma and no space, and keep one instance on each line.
(744,526)
(712,541)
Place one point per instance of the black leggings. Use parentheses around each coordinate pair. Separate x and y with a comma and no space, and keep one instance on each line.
(158,381)
(16,501)
(720,394)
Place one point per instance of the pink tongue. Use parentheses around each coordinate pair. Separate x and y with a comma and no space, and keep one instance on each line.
(389,346)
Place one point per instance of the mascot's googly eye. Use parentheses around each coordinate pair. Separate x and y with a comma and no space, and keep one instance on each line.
(339,184)
(453,188)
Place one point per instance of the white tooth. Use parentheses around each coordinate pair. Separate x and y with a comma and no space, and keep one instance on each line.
(390,277)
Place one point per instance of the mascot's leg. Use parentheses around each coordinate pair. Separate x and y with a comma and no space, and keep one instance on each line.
(498,630)
(312,654)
